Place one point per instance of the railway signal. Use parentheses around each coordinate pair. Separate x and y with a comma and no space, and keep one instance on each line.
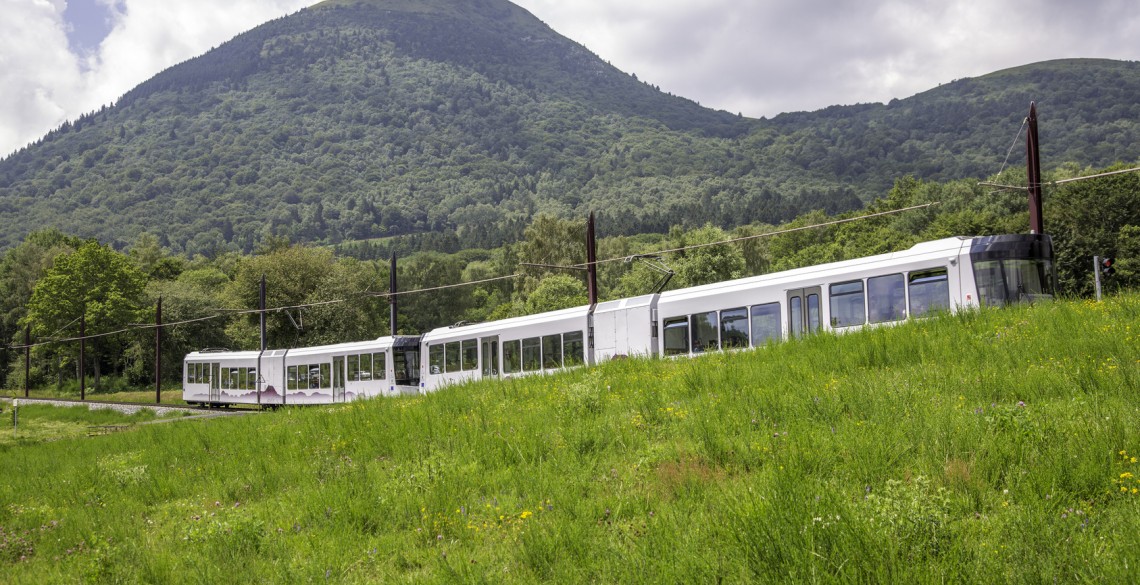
(1107,266)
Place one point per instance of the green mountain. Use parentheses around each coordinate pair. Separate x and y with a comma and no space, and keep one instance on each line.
(465,119)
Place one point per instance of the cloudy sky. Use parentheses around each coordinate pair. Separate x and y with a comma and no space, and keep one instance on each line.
(61,58)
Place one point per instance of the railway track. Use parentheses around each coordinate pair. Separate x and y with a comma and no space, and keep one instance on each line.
(133,407)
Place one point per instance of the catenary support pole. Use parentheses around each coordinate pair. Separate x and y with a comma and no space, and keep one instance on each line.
(261,312)
(27,358)
(392,294)
(82,355)
(591,261)
(158,352)
(1033,173)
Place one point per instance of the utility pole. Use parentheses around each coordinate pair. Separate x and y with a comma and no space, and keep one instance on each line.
(1033,173)
(261,305)
(27,357)
(158,352)
(82,355)
(591,262)
(392,294)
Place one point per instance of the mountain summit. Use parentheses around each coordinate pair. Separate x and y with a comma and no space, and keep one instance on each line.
(464,119)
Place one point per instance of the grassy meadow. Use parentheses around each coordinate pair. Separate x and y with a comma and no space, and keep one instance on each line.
(37,423)
(991,446)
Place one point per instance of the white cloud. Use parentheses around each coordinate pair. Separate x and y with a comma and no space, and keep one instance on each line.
(37,72)
(763,57)
(46,84)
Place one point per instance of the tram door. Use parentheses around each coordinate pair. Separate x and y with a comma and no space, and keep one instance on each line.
(216,383)
(490,350)
(338,378)
(803,311)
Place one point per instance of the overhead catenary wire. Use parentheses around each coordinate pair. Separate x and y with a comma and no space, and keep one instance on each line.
(766,234)
(1024,122)
(1062,181)
(224,313)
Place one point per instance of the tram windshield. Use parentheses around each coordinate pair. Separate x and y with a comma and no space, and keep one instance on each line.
(1013,268)
(1002,282)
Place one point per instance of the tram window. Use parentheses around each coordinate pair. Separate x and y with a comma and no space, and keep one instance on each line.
(991,282)
(734,328)
(435,359)
(1028,280)
(796,316)
(765,323)
(326,376)
(314,377)
(379,366)
(365,367)
(552,352)
(251,377)
(705,334)
(353,368)
(677,336)
(531,354)
(451,356)
(847,307)
(813,313)
(512,357)
(573,349)
(886,298)
(929,291)
(470,354)
(292,377)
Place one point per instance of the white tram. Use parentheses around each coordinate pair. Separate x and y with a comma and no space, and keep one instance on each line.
(942,275)
(387,366)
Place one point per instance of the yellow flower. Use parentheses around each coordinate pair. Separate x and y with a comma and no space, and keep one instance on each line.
(526,514)
(1125,475)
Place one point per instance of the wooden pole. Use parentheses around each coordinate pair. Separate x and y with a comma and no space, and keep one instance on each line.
(261,303)
(82,355)
(1033,173)
(392,294)
(591,261)
(27,357)
(158,352)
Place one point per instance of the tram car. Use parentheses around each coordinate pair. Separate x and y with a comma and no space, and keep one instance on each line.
(947,275)
(387,366)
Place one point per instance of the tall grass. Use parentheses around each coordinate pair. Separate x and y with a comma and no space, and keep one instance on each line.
(991,446)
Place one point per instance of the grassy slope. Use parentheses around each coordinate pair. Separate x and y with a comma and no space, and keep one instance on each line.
(991,446)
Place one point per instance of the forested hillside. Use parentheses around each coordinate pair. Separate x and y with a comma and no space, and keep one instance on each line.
(462,121)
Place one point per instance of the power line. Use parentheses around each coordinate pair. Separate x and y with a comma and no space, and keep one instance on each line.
(223,313)
(1061,182)
(768,234)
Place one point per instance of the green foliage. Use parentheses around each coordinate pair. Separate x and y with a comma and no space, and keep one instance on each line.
(559,291)
(95,282)
(1091,218)
(320,300)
